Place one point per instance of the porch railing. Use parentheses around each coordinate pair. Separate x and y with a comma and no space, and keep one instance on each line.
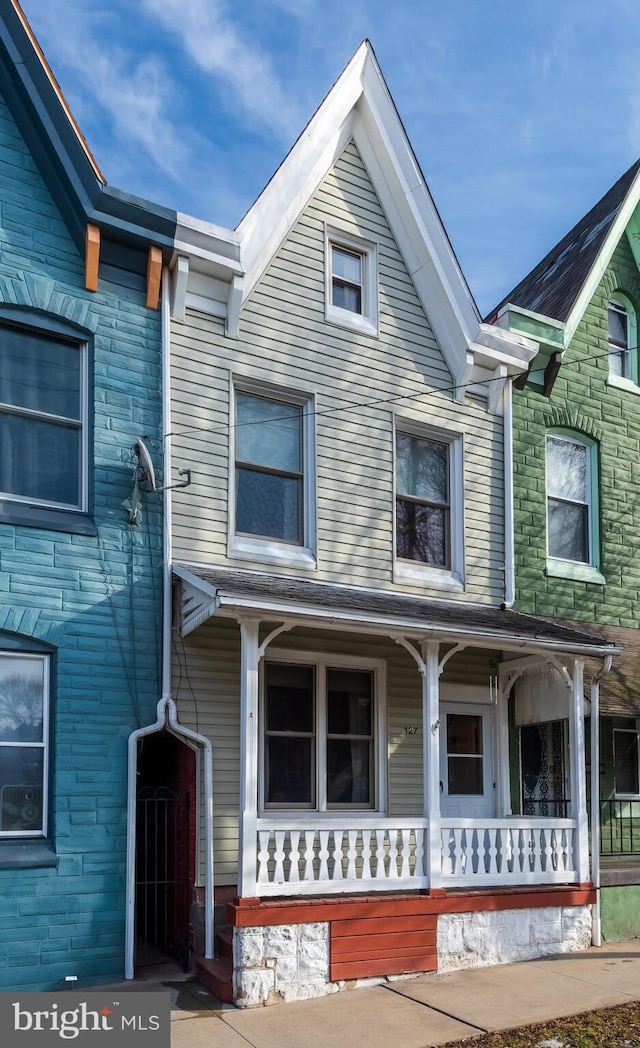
(619,827)
(513,850)
(340,855)
(372,854)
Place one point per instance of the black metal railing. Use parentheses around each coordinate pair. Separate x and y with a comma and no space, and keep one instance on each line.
(558,808)
(620,827)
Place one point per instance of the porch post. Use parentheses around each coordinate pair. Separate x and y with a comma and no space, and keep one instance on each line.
(578,772)
(431,761)
(249,662)
(503,780)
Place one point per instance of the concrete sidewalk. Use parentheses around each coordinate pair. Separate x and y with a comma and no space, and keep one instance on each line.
(417,1012)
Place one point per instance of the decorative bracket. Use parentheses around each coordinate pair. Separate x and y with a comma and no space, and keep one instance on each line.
(283,628)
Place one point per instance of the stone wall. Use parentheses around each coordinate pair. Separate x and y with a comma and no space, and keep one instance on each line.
(286,962)
(478,940)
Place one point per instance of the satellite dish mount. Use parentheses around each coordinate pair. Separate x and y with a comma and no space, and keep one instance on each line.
(144,479)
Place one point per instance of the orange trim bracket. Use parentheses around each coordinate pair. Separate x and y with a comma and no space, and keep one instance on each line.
(154,272)
(91,257)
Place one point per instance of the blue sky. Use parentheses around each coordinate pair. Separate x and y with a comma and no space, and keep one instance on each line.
(521,114)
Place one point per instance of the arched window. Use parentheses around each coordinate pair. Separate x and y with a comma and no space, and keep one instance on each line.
(572,498)
(622,338)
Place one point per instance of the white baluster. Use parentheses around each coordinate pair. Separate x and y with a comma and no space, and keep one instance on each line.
(536,835)
(308,838)
(367,873)
(378,854)
(393,854)
(279,857)
(405,851)
(352,854)
(418,869)
(294,857)
(548,849)
(491,856)
(459,857)
(263,856)
(323,855)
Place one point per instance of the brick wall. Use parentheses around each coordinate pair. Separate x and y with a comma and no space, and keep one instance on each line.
(582,400)
(96,599)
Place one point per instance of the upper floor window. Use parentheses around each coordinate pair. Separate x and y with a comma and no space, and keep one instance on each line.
(272,516)
(24,738)
(422,500)
(351,282)
(43,426)
(571,499)
(269,470)
(623,357)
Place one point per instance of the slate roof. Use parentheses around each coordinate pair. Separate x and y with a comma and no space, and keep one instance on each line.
(553,286)
(442,616)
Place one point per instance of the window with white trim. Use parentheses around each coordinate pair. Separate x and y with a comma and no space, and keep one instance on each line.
(351,282)
(322,732)
(429,529)
(622,339)
(572,499)
(269,468)
(43,425)
(24,739)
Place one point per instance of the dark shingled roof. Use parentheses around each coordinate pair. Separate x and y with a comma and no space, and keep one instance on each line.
(552,287)
(442,616)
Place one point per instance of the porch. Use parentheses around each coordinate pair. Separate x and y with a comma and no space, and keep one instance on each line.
(308,841)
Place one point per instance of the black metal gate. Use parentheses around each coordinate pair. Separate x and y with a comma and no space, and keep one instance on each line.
(162,881)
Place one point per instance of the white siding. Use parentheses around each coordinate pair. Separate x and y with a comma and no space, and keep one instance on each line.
(285,339)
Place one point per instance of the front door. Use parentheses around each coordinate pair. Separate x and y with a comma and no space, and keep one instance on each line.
(466,766)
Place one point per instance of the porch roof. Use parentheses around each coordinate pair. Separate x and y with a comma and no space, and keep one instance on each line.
(207,591)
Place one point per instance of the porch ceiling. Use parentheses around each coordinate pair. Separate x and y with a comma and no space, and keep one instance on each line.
(207,591)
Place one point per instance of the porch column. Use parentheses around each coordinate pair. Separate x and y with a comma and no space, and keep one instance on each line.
(578,771)
(503,780)
(249,662)
(431,761)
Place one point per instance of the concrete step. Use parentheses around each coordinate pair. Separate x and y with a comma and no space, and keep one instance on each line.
(216,975)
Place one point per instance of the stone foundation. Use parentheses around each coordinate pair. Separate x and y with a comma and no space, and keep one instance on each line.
(279,963)
(477,940)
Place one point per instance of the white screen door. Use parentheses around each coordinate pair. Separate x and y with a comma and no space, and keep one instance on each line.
(466,766)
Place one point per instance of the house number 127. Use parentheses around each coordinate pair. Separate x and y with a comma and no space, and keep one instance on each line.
(411,730)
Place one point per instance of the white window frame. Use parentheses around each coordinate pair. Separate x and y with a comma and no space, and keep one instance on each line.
(273,550)
(627,731)
(415,572)
(44,745)
(321,662)
(629,381)
(366,321)
(81,424)
(559,567)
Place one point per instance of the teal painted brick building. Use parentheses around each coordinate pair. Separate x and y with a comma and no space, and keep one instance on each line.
(80,384)
(576,424)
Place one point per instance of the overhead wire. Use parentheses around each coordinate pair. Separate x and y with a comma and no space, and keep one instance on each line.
(380,401)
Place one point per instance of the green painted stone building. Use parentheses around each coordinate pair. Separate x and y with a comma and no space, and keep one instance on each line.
(576,462)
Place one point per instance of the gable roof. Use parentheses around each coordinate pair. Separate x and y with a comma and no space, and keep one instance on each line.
(560,287)
(61,152)
(359,107)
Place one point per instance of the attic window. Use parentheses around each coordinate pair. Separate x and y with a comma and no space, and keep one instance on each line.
(351,298)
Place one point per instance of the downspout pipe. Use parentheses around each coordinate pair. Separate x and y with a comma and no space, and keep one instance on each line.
(509,555)
(166,711)
(596,927)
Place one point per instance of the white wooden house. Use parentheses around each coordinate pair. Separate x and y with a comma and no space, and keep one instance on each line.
(343,648)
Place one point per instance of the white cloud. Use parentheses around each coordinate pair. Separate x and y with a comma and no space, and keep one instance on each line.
(224,49)
(134,92)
